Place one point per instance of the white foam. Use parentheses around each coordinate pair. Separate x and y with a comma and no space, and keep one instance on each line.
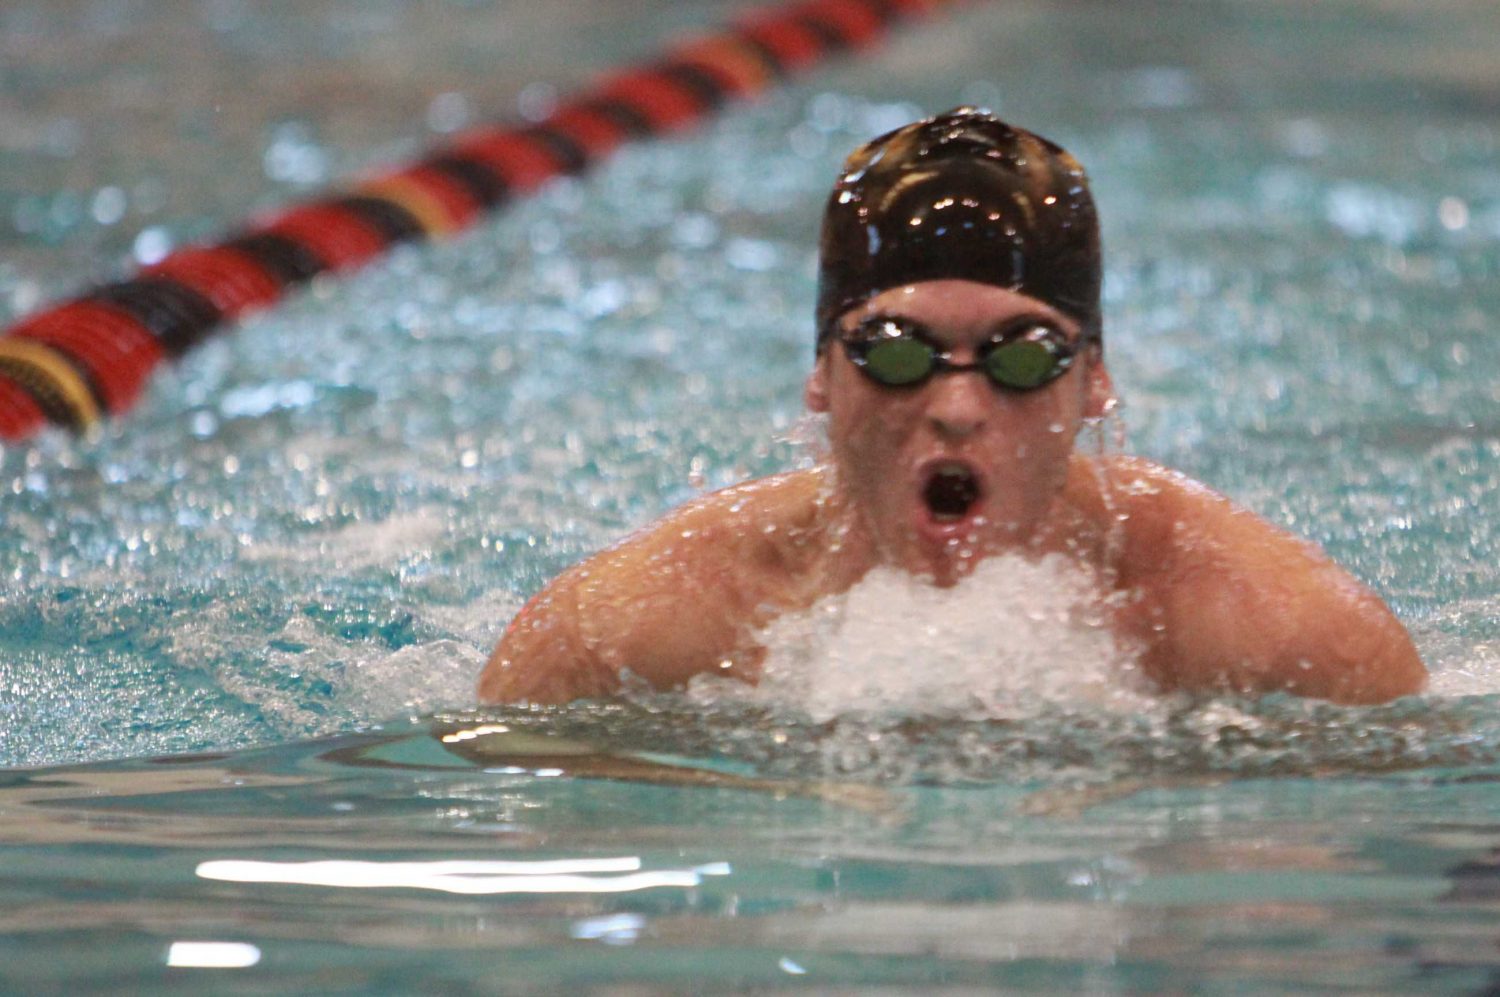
(1016,634)
(361,544)
(1460,664)
(416,679)
(305,680)
(482,620)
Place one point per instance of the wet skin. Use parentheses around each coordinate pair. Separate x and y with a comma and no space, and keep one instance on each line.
(1215,597)
(887,443)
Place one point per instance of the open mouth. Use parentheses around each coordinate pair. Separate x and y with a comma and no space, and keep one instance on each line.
(951,492)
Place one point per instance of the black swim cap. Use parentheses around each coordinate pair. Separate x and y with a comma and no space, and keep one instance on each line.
(962,195)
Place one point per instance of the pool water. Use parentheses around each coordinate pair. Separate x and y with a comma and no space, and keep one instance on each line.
(239,629)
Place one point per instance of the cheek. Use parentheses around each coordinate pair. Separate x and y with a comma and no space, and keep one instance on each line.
(868,447)
(854,413)
(860,423)
(856,442)
(1038,433)
(1060,413)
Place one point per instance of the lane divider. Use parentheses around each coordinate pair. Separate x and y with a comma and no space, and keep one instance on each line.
(82,360)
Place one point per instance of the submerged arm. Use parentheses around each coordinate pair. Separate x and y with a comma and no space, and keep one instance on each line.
(1244,606)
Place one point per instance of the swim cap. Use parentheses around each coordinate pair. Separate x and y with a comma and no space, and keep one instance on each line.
(961,195)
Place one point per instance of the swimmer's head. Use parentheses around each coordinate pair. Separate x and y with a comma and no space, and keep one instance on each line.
(962,195)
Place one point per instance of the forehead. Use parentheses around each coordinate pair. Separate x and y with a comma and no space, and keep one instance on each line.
(957,307)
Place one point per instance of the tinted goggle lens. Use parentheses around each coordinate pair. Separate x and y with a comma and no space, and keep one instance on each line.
(896,355)
(1024,363)
(899,361)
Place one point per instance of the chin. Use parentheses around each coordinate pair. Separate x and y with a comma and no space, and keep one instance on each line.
(947,554)
(946,549)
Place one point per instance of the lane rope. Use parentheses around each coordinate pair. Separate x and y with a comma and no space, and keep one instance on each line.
(76,362)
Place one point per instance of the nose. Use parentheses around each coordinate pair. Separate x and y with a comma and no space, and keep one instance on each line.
(959,403)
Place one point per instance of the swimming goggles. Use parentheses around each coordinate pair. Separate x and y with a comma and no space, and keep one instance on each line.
(900,353)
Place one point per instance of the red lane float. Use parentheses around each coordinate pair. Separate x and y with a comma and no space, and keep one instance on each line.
(74,362)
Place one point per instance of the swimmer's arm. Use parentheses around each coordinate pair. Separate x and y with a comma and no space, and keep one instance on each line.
(1247,607)
(622,609)
(542,657)
(673,601)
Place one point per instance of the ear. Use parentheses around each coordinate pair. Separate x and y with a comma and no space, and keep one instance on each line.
(815,391)
(1100,398)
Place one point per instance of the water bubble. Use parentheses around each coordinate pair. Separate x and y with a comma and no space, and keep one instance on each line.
(292,156)
(1453,213)
(108,205)
(1305,138)
(202,424)
(807,142)
(152,245)
(1160,87)
(65,210)
(545,237)
(828,112)
(751,254)
(29,215)
(694,230)
(448,112)
(536,101)
(63,137)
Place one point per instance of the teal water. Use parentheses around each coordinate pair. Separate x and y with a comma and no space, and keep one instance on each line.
(520,860)
(268,590)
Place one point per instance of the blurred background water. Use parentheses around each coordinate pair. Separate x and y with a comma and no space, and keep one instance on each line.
(323,520)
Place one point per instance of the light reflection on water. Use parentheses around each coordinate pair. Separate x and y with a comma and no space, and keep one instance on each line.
(212,955)
(579,876)
(1166,880)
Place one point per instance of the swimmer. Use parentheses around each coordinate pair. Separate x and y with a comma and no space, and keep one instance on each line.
(959,353)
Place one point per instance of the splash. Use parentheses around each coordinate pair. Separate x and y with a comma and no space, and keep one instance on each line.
(1016,636)
(1461,645)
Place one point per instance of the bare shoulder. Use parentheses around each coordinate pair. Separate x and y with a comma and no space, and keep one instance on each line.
(1236,602)
(1174,522)
(1158,496)
(671,599)
(752,514)
(761,527)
